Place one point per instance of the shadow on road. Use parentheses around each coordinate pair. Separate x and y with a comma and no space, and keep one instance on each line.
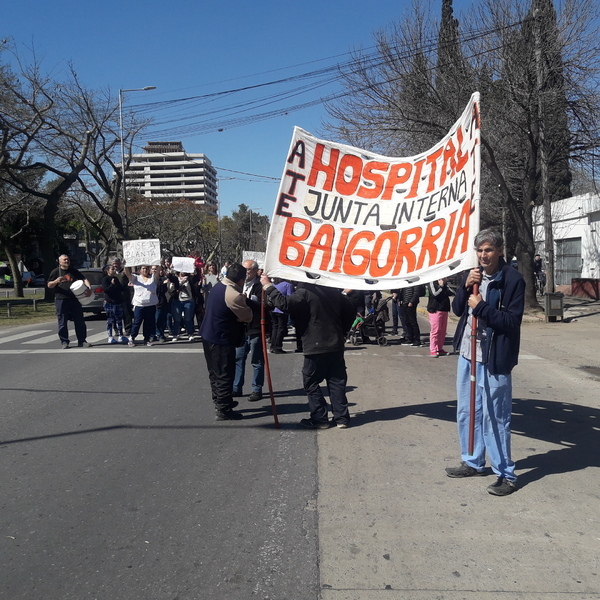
(572,427)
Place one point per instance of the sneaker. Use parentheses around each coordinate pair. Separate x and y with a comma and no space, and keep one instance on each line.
(65,345)
(191,338)
(174,338)
(416,344)
(254,397)
(443,353)
(149,343)
(434,354)
(405,342)
(228,415)
(278,351)
(111,340)
(309,424)
(502,487)
(130,343)
(84,344)
(123,339)
(342,425)
(162,339)
(463,470)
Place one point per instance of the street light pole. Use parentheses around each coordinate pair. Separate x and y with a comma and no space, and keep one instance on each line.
(123,186)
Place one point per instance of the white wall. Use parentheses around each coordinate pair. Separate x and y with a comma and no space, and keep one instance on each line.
(576,217)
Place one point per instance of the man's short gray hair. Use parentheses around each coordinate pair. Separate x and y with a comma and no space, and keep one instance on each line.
(491,236)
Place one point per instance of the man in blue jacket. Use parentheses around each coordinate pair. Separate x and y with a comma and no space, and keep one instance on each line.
(498,308)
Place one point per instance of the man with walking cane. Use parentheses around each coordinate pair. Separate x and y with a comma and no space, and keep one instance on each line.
(492,297)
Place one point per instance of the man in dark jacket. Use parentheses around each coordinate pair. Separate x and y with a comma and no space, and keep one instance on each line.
(253,344)
(409,300)
(322,316)
(222,330)
(498,308)
(68,306)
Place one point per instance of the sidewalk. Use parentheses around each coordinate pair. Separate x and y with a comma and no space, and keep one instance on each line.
(393,526)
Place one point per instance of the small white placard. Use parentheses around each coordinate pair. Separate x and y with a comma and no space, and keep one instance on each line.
(183,264)
(141,252)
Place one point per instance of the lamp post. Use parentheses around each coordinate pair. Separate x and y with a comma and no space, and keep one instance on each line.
(123,187)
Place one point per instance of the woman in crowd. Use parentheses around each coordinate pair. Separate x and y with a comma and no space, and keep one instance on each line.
(438,308)
(183,291)
(144,302)
(210,279)
(163,307)
(113,305)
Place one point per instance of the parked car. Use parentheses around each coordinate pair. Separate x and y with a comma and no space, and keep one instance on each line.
(6,277)
(94,276)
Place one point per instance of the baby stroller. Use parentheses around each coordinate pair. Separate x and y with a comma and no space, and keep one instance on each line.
(372,326)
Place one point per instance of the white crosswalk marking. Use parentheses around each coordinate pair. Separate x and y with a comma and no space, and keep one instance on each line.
(98,337)
(20,336)
(44,340)
(28,340)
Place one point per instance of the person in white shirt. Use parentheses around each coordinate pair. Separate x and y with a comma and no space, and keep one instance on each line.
(144,302)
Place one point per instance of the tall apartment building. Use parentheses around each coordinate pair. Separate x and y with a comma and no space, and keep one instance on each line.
(166,171)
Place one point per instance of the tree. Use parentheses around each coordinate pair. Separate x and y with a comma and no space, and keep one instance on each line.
(181,225)
(15,216)
(70,133)
(409,97)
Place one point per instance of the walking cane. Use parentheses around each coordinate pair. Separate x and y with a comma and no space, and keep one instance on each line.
(263,327)
(473,376)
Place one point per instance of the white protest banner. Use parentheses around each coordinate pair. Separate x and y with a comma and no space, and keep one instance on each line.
(259,257)
(183,264)
(349,218)
(141,252)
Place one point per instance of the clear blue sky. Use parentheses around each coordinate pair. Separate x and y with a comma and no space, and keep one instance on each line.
(192,48)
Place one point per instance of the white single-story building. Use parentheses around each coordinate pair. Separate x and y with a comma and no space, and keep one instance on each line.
(576,230)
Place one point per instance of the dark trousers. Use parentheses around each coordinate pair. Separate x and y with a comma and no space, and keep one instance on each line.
(220,361)
(69,309)
(127,314)
(161,320)
(413,333)
(330,367)
(398,314)
(278,330)
(147,316)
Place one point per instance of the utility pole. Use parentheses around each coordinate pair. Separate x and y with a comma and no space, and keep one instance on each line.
(121,134)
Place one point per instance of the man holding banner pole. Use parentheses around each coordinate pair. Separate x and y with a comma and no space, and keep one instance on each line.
(322,316)
(498,308)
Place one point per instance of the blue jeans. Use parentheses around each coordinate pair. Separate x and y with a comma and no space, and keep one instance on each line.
(253,347)
(114,319)
(147,316)
(185,307)
(493,407)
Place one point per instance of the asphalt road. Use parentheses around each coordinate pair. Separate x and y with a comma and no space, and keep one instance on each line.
(117,483)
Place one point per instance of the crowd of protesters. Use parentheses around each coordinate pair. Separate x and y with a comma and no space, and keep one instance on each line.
(225,309)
